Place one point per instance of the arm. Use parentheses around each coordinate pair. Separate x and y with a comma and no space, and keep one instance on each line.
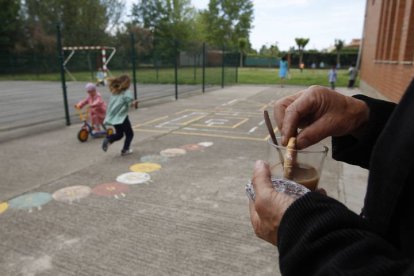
(320,236)
(356,148)
(127,97)
(97,101)
(83,102)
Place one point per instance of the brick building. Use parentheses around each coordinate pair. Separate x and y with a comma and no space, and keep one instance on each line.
(387,60)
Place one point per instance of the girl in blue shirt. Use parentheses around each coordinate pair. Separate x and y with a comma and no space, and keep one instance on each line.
(283,70)
(117,113)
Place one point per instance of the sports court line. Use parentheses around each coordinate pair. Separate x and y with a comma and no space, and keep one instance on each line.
(152,121)
(219,136)
(221,126)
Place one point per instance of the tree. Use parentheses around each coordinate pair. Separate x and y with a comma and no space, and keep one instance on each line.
(242,48)
(272,51)
(227,21)
(10,27)
(301,43)
(83,22)
(339,44)
(170,21)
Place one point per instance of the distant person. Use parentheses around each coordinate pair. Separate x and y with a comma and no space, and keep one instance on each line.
(117,114)
(100,77)
(283,70)
(352,71)
(97,106)
(313,66)
(301,67)
(321,64)
(332,75)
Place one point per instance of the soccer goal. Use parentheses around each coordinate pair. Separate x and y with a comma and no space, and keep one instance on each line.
(105,60)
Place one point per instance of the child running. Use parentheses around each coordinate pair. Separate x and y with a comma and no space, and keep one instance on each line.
(332,76)
(97,106)
(117,113)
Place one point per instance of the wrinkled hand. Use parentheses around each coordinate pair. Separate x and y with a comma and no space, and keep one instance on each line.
(321,113)
(267,210)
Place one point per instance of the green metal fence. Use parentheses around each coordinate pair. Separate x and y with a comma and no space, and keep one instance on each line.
(159,68)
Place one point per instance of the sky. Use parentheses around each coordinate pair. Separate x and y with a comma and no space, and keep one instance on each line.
(322,21)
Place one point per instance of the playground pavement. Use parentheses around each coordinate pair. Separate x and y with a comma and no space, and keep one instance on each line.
(63,213)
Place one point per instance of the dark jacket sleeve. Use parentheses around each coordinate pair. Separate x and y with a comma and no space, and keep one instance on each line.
(358,151)
(320,236)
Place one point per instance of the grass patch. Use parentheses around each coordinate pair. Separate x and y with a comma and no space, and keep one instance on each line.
(306,78)
(213,75)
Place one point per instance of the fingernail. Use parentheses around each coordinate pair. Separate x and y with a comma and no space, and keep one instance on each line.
(259,164)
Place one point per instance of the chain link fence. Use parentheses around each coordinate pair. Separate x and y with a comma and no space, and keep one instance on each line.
(159,68)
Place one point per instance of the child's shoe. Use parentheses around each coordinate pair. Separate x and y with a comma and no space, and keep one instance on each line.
(105,144)
(126,152)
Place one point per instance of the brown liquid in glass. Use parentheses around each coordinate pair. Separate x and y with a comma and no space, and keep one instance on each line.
(302,173)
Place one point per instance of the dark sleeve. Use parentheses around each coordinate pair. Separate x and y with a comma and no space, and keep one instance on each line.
(320,236)
(358,151)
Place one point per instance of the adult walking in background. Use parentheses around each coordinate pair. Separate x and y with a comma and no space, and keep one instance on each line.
(352,71)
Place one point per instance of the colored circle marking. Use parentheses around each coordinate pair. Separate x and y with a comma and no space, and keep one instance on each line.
(206,144)
(172,152)
(145,167)
(72,193)
(192,147)
(114,189)
(154,159)
(29,201)
(132,178)
(3,207)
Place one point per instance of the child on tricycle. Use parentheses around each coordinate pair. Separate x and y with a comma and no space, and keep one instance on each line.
(97,112)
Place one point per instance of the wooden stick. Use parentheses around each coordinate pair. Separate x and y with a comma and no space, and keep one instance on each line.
(272,134)
(290,158)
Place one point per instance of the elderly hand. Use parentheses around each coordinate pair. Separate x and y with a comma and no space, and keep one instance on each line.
(267,210)
(321,113)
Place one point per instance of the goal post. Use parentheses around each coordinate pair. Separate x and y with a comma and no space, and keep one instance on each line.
(103,49)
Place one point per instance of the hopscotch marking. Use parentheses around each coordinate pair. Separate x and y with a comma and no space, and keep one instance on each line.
(225,121)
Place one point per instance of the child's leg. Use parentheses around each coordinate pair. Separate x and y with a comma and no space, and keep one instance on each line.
(119,133)
(96,122)
(129,134)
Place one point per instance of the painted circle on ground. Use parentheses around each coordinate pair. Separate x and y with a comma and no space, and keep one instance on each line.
(154,159)
(206,144)
(3,207)
(30,201)
(132,178)
(72,193)
(192,147)
(172,152)
(145,167)
(110,189)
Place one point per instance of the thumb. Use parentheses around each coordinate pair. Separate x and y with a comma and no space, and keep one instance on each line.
(262,178)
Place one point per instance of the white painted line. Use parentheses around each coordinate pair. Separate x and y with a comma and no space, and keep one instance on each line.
(230,102)
(253,130)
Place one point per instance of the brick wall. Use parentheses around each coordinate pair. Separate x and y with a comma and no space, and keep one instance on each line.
(387,61)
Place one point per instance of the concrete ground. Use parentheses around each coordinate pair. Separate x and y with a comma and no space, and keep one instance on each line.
(38,105)
(63,213)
